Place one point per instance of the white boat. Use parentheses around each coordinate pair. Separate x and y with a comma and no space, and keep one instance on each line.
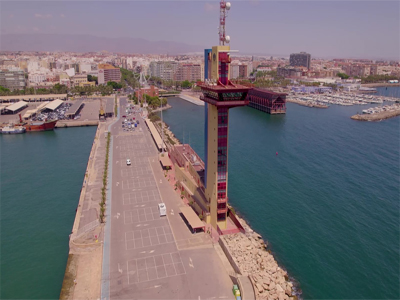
(13,130)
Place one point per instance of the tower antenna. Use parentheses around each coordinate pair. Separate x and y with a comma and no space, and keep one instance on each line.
(223,13)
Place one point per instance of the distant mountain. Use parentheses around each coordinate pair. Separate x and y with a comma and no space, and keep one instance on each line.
(89,43)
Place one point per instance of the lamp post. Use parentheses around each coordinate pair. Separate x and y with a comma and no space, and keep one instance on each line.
(162,130)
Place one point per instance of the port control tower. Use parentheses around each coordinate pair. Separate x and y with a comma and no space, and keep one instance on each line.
(219,95)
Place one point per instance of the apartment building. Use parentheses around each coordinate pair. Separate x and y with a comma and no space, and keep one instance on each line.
(301,59)
(108,73)
(12,79)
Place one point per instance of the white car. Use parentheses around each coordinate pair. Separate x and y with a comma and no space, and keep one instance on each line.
(162,209)
(128,162)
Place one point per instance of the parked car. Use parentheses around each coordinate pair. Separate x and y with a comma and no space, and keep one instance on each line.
(128,162)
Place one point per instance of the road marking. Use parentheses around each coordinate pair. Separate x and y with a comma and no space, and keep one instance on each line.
(119,269)
(151,251)
(191,265)
(117,215)
(117,161)
(117,183)
(172,211)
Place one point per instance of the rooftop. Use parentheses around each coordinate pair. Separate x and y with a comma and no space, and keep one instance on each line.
(106,66)
(191,156)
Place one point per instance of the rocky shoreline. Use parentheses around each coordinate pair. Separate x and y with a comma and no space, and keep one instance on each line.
(251,256)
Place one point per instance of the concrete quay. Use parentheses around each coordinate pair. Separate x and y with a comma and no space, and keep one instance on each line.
(83,272)
(137,253)
(145,255)
(191,99)
(66,124)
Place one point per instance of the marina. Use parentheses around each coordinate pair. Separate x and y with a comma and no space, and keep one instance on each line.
(340,98)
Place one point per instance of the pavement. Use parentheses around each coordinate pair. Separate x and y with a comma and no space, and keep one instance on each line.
(153,257)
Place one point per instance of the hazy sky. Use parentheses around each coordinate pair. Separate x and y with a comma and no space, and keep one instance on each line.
(369,29)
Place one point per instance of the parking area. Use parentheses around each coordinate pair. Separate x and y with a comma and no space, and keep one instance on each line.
(141,215)
(145,262)
(141,197)
(148,237)
(155,267)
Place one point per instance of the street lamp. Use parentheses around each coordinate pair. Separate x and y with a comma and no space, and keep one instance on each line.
(162,130)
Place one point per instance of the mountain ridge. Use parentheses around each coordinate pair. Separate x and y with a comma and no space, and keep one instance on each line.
(90,43)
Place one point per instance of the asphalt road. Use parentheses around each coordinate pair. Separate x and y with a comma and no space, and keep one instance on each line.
(153,257)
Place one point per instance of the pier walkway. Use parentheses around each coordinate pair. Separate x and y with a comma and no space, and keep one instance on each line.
(153,257)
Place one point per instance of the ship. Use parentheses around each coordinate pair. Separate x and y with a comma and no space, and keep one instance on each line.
(41,125)
(46,125)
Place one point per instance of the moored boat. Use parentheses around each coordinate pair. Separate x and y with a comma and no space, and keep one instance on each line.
(13,129)
(38,125)
(41,125)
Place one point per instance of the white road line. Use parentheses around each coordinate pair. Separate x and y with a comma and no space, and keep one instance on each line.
(119,269)
(191,263)
(127,271)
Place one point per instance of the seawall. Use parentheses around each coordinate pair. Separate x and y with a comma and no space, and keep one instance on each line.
(82,277)
(376,116)
(191,99)
(65,124)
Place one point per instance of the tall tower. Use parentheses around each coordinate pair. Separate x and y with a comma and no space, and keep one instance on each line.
(219,95)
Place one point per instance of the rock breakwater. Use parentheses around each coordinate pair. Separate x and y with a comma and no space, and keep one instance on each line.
(249,253)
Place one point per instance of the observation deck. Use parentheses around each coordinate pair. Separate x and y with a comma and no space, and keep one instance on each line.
(229,95)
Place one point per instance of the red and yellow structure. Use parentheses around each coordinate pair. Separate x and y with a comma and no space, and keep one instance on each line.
(219,95)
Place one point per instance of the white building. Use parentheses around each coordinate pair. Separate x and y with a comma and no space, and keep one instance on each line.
(37,77)
(234,70)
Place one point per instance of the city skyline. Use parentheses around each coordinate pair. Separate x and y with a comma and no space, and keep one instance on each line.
(326,29)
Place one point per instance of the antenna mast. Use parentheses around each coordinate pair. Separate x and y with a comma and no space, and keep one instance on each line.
(223,13)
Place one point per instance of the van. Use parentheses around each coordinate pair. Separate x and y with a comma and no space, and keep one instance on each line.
(162,209)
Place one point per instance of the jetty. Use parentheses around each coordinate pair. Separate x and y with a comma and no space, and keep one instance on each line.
(378,113)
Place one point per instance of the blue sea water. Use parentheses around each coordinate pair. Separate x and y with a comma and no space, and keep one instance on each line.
(41,177)
(328,203)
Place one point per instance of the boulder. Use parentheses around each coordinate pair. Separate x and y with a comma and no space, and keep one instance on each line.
(266,280)
(288,291)
(265,286)
(279,288)
(259,288)
(281,296)
(272,285)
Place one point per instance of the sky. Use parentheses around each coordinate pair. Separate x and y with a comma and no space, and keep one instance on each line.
(326,29)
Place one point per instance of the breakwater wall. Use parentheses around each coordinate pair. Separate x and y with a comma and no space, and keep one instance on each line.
(249,256)
(65,124)
(376,116)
